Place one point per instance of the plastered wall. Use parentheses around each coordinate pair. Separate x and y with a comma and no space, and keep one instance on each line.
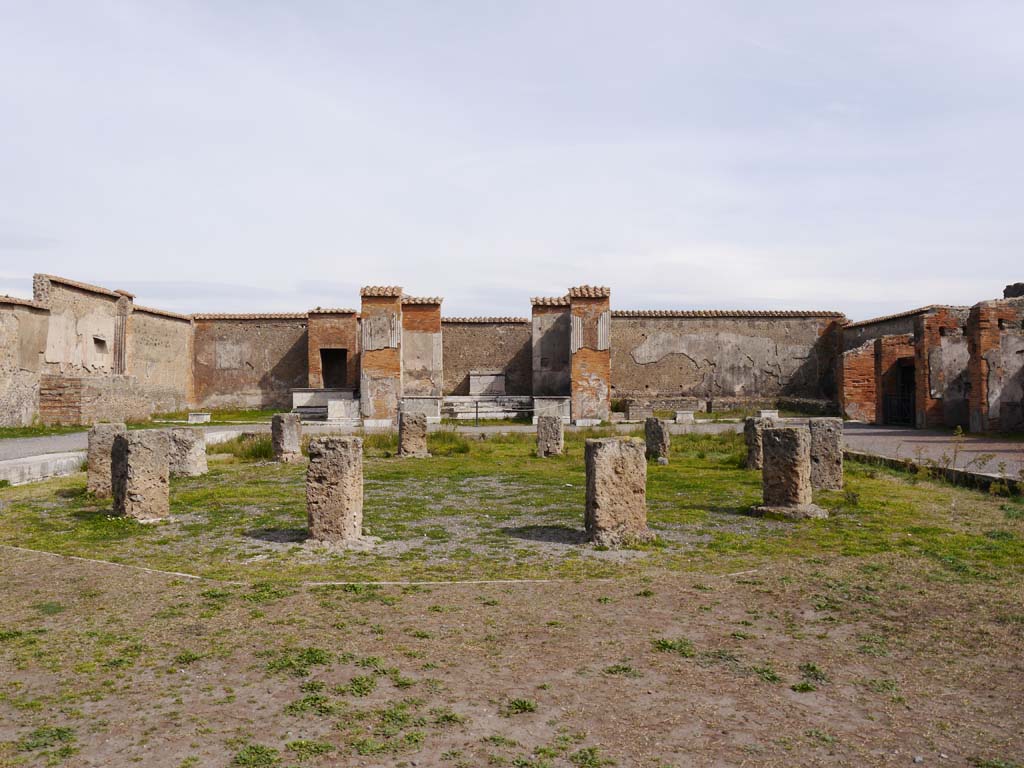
(487,346)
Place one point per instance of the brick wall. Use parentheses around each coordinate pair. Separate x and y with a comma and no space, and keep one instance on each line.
(86,400)
(995,331)
(422,349)
(490,345)
(380,380)
(858,387)
(889,351)
(333,330)
(940,360)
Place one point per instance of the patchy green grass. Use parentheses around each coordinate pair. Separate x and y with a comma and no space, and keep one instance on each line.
(38,430)
(490,509)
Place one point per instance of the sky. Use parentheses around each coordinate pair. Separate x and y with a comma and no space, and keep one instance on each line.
(864,157)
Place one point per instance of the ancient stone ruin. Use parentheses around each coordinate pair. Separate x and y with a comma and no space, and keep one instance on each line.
(753,432)
(616,508)
(286,437)
(412,435)
(826,454)
(187,456)
(786,474)
(140,473)
(101,443)
(334,489)
(550,436)
(657,438)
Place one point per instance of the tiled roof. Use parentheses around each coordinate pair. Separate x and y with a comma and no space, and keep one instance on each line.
(550,301)
(251,316)
(422,299)
(722,313)
(381,290)
(22,302)
(898,315)
(161,312)
(332,311)
(590,292)
(484,320)
(85,286)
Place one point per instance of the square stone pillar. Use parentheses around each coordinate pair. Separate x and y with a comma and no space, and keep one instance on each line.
(412,434)
(140,473)
(334,489)
(550,436)
(753,432)
(786,474)
(658,440)
(550,324)
(187,452)
(590,349)
(827,454)
(422,347)
(286,436)
(101,443)
(380,358)
(616,511)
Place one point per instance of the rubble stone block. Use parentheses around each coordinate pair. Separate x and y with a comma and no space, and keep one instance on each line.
(101,443)
(187,457)
(616,511)
(550,436)
(827,454)
(638,411)
(753,431)
(334,489)
(786,474)
(412,434)
(658,440)
(286,436)
(685,417)
(140,471)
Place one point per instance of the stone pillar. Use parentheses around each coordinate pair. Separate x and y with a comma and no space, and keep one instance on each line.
(412,434)
(187,452)
(550,353)
(658,440)
(380,357)
(550,436)
(286,436)
(616,511)
(140,473)
(101,443)
(786,474)
(753,430)
(422,347)
(334,489)
(827,454)
(590,348)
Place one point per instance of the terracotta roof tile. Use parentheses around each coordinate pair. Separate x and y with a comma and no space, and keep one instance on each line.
(898,315)
(332,311)
(484,320)
(422,299)
(550,301)
(161,312)
(84,286)
(380,290)
(590,292)
(722,313)
(4,299)
(251,316)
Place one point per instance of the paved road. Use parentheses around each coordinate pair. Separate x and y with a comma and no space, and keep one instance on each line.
(980,454)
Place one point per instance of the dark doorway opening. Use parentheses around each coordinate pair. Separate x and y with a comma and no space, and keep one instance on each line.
(898,393)
(334,367)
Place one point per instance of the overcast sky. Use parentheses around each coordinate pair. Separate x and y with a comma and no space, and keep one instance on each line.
(861,156)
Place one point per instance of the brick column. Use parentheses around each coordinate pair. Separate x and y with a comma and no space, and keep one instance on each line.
(995,335)
(380,375)
(590,349)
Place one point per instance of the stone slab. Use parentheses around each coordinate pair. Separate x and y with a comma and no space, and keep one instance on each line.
(616,498)
(334,489)
(141,474)
(101,444)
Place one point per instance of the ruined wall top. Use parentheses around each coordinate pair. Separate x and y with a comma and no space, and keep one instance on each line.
(389,291)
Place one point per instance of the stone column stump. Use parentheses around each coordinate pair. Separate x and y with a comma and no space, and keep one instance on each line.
(658,440)
(753,430)
(827,454)
(286,436)
(786,475)
(187,456)
(616,511)
(550,436)
(101,443)
(334,489)
(140,470)
(412,434)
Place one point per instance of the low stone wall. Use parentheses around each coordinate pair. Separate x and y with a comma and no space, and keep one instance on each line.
(88,399)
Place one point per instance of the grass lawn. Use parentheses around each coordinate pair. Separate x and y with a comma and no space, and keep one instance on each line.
(892,630)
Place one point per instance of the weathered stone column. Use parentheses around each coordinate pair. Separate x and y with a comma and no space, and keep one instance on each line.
(187,452)
(550,436)
(658,440)
(286,436)
(412,434)
(140,473)
(827,454)
(101,443)
(616,511)
(753,429)
(786,474)
(590,353)
(380,356)
(334,489)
